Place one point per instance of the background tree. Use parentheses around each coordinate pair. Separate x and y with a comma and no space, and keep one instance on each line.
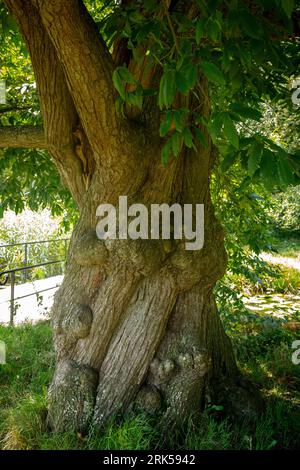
(144,99)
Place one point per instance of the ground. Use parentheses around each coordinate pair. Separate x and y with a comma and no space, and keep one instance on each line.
(32,308)
(262,337)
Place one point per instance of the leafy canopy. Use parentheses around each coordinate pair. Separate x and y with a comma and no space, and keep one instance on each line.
(248,51)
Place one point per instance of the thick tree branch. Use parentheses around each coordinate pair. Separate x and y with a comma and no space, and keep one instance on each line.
(77,96)
(87,64)
(22,137)
(58,110)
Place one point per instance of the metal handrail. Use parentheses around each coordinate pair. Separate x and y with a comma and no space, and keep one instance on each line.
(35,243)
(31,267)
(11,273)
(26,244)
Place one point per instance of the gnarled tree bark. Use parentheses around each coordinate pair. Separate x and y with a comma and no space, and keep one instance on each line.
(134,320)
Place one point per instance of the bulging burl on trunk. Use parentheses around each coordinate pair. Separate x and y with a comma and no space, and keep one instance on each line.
(152,331)
(145,338)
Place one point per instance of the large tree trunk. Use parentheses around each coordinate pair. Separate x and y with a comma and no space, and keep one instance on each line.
(135,321)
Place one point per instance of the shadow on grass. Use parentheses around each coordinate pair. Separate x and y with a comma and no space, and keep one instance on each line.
(264,358)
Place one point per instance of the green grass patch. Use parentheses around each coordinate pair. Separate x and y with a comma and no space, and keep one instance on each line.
(289,247)
(263,350)
(263,354)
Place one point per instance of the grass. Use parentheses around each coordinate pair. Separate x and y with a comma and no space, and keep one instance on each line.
(263,350)
(265,356)
(284,280)
(23,382)
(289,246)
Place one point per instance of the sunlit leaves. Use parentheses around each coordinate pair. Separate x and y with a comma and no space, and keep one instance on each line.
(27,177)
(30,179)
(232,47)
(207,72)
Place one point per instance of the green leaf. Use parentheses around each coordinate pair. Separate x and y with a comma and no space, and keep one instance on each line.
(125,75)
(214,126)
(267,168)
(246,112)
(165,124)
(167,89)
(135,98)
(186,78)
(149,91)
(117,81)
(180,118)
(228,161)
(230,131)
(213,29)
(182,82)
(172,146)
(121,76)
(250,25)
(188,138)
(213,73)
(288,7)
(255,154)
(285,172)
(199,31)
(120,106)
(166,151)
(176,141)
(201,137)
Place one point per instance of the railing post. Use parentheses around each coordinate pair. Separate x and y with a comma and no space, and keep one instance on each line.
(66,251)
(12,297)
(25,276)
(66,247)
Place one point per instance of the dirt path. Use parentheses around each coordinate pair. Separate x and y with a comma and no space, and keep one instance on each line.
(32,308)
(283,260)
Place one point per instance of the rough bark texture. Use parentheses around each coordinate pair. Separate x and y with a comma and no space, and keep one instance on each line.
(134,321)
(24,137)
